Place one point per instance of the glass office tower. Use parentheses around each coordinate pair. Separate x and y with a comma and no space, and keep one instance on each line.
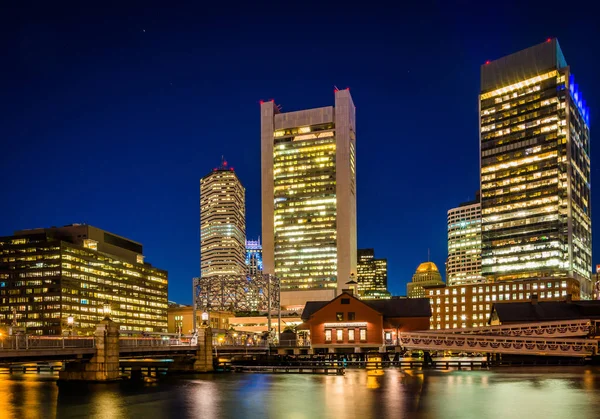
(535,169)
(309,196)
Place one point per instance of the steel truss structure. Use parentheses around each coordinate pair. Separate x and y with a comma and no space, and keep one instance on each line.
(259,292)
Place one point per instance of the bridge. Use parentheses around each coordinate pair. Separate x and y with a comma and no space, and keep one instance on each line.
(559,338)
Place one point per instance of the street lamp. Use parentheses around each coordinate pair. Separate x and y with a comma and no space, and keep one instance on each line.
(107,310)
(204,318)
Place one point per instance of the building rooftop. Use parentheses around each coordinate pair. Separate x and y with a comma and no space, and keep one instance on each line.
(414,307)
(534,311)
(427,267)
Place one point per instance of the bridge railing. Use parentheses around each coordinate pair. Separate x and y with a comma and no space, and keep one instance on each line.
(150,342)
(562,328)
(25,342)
(499,344)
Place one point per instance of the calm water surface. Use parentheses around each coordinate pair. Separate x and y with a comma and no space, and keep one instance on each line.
(516,393)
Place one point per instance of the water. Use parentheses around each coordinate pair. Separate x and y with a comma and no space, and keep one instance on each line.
(502,393)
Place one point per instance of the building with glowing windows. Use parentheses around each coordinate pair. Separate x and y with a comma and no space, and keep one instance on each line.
(254,261)
(372,275)
(470,305)
(48,275)
(222,223)
(464,244)
(535,169)
(309,198)
(426,275)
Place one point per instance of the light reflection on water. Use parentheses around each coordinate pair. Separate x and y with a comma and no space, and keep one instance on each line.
(502,393)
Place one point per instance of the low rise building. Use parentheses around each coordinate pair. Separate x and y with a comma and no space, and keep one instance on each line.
(59,279)
(347,324)
(469,305)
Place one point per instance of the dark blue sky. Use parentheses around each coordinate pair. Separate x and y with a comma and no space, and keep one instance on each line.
(111,115)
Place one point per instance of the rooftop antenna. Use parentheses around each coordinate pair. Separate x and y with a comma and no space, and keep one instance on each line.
(335,88)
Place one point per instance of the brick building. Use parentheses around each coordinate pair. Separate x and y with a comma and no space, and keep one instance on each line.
(348,324)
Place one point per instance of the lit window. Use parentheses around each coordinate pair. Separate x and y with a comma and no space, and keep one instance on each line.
(327,335)
(339,317)
(351,335)
(363,334)
(339,335)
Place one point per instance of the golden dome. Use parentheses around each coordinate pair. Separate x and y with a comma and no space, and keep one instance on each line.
(427,267)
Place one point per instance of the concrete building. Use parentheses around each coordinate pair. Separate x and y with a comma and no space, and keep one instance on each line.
(181,319)
(309,198)
(254,262)
(50,274)
(347,324)
(427,274)
(372,275)
(222,223)
(469,305)
(535,169)
(464,244)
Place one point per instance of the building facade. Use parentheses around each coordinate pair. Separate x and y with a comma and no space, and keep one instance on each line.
(348,324)
(470,305)
(254,262)
(464,244)
(222,223)
(48,275)
(535,169)
(371,275)
(426,275)
(309,198)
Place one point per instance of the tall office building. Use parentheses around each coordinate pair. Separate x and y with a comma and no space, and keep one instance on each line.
(464,244)
(426,275)
(254,262)
(372,275)
(535,169)
(222,223)
(309,198)
(50,274)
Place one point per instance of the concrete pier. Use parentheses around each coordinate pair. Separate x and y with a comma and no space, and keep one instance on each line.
(204,357)
(104,365)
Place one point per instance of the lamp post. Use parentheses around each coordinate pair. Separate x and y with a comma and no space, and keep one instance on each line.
(107,311)
(204,319)
(70,322)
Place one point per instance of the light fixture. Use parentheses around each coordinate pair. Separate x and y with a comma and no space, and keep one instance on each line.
(70,320)
(107,310)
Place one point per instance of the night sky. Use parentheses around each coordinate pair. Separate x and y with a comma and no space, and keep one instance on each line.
(110,116)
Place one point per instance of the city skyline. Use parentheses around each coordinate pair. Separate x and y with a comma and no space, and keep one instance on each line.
(158,205)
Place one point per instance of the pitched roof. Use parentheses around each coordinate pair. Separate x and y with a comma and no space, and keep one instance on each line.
(311,308)
(401,307)
(546,311)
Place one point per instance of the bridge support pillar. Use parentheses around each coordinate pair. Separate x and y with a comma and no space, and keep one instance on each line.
(104,365)
(204,357)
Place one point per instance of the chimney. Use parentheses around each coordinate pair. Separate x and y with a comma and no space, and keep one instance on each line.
(534,299)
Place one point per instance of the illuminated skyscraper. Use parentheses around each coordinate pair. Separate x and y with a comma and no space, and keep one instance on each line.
(254,261)
(535,169)
(222,223)
(464,244)
(372,275)
(426,275)
(309,198)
